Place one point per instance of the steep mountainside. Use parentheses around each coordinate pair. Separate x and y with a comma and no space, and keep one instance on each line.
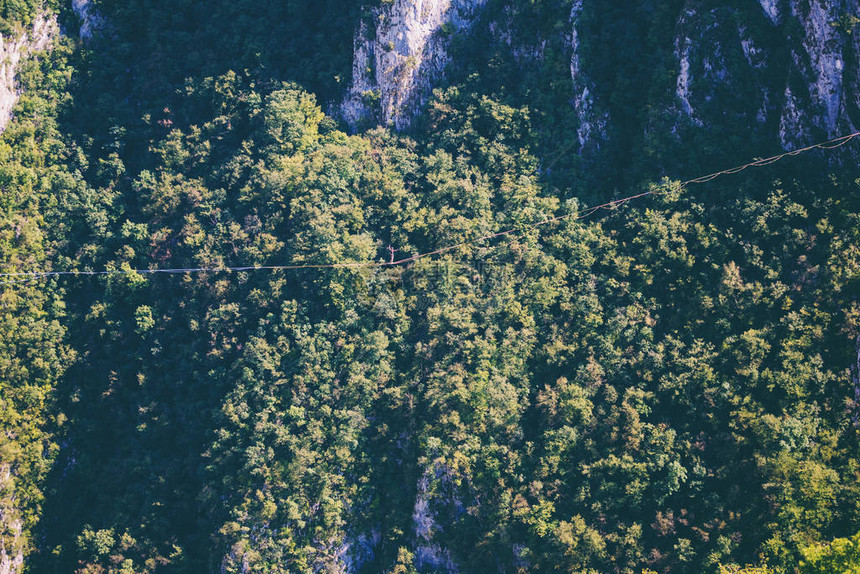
(43,30)
(788,69)
(396,64)
(210,362)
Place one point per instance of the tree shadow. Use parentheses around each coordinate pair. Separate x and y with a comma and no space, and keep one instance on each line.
(139,404)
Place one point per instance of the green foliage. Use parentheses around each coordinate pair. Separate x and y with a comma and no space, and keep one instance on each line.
(846,23)
(660,389)
(33,349)
(15,15)
(840,556)
(745,570)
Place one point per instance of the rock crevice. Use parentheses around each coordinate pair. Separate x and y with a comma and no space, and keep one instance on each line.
(591,130)
(400,56)
(92,21)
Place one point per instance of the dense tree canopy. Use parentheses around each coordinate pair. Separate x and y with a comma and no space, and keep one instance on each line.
(660,387)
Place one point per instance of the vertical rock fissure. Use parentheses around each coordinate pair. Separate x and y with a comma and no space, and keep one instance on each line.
(396,64)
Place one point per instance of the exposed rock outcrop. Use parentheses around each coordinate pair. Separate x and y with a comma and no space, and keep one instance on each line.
(819,63)
(718,50)
(357,551)
(800,87)
(683,50)
(786,68)
(398,58)
(772,9)
(429,555)
(92,21)
(11,544)
(592,122)
(12,51)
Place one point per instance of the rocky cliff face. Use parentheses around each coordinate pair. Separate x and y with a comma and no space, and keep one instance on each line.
(12,51)
(38,38)
(11,544)
(787,68)
(592,121)
(794,53)
(782,67)
(819,59)
(399,56)
(92,21)
(429,555)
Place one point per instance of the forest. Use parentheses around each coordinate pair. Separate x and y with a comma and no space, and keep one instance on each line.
(669,385)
